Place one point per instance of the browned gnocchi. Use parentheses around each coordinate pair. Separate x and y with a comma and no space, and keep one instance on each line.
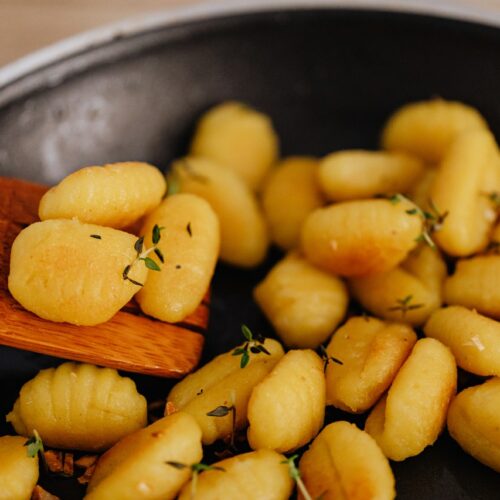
(114,195)
(359,238)
(290,194)
(343,462)
(68,271)
(357,174)
(473,338)
(223,383)
(365,355)
(412,414)
(189,246)
(474,422)
(79,406)
(239,138)
(303,303)
(286,410)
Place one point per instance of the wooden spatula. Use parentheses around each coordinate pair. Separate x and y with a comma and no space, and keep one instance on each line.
(130,341)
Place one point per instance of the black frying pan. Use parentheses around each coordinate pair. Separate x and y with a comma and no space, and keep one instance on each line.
(328,78)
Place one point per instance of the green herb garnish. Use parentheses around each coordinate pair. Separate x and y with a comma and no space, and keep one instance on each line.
(34,445)
(404,305)
(327,358)
(189,230)
(195,469)
(223,411)
(294,473)
(254,344)
(96,236)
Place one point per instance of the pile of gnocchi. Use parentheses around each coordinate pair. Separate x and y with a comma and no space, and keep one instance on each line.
(387,285)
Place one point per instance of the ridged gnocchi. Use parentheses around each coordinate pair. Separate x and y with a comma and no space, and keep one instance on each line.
(222,382)
(79,406)
(427,128)
(473,339)
(286,410)
(68,271)
(357,174)
(303,303)
(371,352)
(244,234)
(407,293)
(257,474)
(18,471)
(190,246)
(474,422)
(114,195)
(137,467)
(412,414)
(237,137)
(475,285)
(358,238)
(343,462)
(458,191)
(290,194)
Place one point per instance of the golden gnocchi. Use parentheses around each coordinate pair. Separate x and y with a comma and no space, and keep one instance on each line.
(343,462)
(370,353)
(407,293)
(473,339)
(358,238)
(475,285)
(244,234)
(474,422)
(137,468)
(458,192)
(223,383)
(190,246)
(257,474)
(18,471)
(68,271)
(237,137)
(412,414)
(286,410)
(114,195)
(303,303)
(357,174)
(290,194)
(79,406)
(426,129)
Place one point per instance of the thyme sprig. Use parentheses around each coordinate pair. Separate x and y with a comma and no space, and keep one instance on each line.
(294,473)
(143,255)
(327,358)
(223,411)
(433,219)
(254,344)
(34,447)
(404,305)
(195,469)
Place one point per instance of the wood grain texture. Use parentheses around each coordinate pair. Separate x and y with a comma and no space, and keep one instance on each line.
(130,341)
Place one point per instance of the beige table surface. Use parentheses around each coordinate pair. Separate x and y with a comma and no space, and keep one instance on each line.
(27,25)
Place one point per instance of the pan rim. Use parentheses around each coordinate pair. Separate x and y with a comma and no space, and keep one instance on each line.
(143,23)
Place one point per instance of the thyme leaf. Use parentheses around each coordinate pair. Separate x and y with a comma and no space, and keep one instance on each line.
(327,358)
(34,445)
(254,344)
(96,236)
(294,473)
(404,305)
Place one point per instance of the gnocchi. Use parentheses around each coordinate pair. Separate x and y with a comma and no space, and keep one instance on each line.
(474,422)
(190,244)
(370,353)
(237,137)
(223,382)
(244,237)
(257,474)
(68,271)
(114,195)
(359,238)
(79,406)
(357,174)
(290,194)
(426,129)
(286,410)
(473,339)
(303,303)
(343,462)
(137,468)
(412,414)
(18,471)
(407,293)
